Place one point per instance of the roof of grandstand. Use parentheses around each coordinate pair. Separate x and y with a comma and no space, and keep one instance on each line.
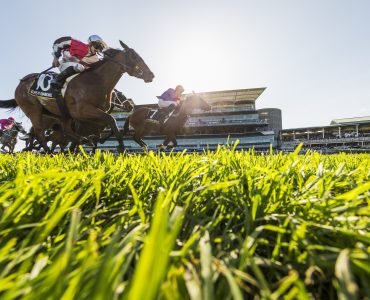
(347,121)
(232,97)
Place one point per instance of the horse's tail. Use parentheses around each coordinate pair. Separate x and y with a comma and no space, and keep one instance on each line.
(8,104)
(126,127)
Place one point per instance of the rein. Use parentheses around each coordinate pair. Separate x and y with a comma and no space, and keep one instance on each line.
(111,58)
(120,103)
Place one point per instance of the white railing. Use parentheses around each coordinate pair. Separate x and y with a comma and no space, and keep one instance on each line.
(323,141)
(228,122)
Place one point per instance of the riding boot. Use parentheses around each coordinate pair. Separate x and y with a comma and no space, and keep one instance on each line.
(165,113)
(161,118)
(61,78)
(58,83)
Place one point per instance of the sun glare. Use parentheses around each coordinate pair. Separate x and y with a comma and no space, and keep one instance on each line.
(199,58)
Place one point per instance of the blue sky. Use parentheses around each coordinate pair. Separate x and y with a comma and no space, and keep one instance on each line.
(313,56)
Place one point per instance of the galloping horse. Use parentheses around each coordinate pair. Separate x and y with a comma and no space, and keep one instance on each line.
(8,138)
(142,125)
(90,130)
(88,97)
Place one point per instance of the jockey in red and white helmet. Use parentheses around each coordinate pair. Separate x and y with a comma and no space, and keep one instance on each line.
(72,56)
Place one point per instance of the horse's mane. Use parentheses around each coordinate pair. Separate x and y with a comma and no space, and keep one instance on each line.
(108,54)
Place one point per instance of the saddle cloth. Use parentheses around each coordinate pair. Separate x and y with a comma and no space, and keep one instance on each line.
(41,87)
(153,115)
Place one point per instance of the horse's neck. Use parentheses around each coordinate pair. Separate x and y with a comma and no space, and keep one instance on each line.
(182,116)
(109,74)
(185,110)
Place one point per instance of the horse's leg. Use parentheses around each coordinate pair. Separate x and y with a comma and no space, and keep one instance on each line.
(174,141)
(140,141)
(53,146)
(94,147)
(102,140)
(33,110)
(36,147)
(39,132)
(68,131)
(137,138)
(93,113)
(34,143)
(73,147)
(30,142)
(144,145)
(12,143)
(166,141)
(164,144)
(63,146)
(39,128)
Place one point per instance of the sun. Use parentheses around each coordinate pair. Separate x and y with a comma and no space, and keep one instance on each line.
(198,58)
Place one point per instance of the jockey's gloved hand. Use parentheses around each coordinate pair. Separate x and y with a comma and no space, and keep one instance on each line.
(55,63)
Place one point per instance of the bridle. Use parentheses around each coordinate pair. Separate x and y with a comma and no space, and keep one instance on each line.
(117,102)
(124,67)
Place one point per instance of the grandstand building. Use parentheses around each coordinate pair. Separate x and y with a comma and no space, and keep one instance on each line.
(349,134)
(233,117)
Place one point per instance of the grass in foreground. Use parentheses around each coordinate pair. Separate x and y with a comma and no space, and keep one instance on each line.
(185,226)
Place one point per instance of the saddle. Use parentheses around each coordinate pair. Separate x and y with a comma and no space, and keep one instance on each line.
(42,88)
(160,114)
(44,91)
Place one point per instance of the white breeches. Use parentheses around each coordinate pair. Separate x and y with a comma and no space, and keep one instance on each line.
(162,103)
(78,67)
(69,61)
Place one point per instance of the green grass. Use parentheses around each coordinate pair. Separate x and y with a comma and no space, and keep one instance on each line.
(224,225)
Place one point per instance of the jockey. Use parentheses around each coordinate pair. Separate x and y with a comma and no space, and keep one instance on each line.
(168,101)
(72,56)
(6,124)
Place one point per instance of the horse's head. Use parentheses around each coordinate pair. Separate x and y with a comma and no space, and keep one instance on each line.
(18,127)
(195,101)
(135,64)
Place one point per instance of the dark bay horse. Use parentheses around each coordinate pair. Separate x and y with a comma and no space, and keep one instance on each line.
(88,96)
(92,131)
(8,138)
(142,125)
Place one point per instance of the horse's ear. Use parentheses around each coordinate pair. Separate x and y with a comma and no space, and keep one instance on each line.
(124,46)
